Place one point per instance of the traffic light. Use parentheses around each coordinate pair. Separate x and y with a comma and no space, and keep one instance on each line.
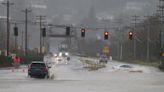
(68,31)
(130,35)
(83,32)
(106,35)
(15,31)
(44,32)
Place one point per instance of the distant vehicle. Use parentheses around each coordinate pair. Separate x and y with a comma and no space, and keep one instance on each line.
(38,69)
(122,67)
(103,59)
(62,58)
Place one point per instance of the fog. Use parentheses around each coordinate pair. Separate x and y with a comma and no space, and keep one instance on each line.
(76,12)
(103,8)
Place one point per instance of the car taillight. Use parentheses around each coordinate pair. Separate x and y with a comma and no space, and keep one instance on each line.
(45,69)
(29,66)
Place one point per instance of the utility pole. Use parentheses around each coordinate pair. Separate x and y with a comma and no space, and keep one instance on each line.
(161,16)
(48,38)
(8,25)
(120,39)
(148,38)
(26,11)
(160,11)
(148,43)
(22,38)
(135,19)
(40,23)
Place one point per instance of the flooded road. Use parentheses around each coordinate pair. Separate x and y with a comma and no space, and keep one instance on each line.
(71,79)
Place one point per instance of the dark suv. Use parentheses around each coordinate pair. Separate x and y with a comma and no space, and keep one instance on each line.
(38,69)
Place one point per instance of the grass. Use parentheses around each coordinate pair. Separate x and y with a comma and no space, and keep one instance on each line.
(146,63)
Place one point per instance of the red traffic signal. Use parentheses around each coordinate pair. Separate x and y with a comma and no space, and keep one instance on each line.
(130,35)
(106,35)
(83,32)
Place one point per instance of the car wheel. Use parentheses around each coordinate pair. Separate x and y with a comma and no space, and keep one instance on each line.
(46,76)
(29,76)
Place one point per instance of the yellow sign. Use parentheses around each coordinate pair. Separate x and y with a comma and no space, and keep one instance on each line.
(43,50)
(163,54)
(106,49)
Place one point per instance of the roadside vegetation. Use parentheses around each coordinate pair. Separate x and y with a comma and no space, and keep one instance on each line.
(142,62)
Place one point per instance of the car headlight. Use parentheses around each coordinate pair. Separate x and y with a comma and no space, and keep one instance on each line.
(60,54)
(57,58)
(66,54)
(55,55)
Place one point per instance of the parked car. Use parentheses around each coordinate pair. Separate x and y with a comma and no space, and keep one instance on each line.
(38,69)
(130,68)
(122,67)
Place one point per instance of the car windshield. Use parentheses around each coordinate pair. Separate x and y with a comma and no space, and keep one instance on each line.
(64,55)
(37,65)
(126,66)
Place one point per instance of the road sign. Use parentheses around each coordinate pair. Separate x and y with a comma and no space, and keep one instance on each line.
(106,50)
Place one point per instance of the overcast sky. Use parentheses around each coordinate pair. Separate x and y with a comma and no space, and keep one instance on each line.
(102,7)
(74,10)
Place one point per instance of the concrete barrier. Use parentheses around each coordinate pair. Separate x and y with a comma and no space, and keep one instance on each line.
(91,64)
